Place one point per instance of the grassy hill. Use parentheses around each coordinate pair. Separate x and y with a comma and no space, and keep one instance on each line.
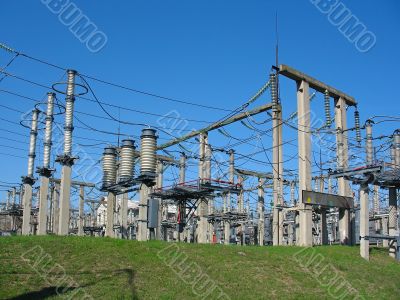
(102,268)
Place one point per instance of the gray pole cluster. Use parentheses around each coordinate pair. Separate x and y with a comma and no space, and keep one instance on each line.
(29,180)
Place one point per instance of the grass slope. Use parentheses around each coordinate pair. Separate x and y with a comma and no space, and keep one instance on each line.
(39,267)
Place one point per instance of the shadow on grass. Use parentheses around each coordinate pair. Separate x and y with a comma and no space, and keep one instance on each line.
(131,278)
(44,293)
(61,290)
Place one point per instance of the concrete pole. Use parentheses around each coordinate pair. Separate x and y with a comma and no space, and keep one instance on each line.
(43,204)
(26,217)
(393,223)
(162,212)
(260,209)
(142,234)
(227,224)
(304,148)
(81,210)
(364,221)
(110,214)
(124,215)
(29,180)
(240,205)
(56,207)
(342,156)
(202,223)
(280,174)
(66,160)
(210,200)
(276,144)
(396,146)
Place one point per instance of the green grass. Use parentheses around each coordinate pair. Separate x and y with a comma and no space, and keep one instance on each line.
(117,269)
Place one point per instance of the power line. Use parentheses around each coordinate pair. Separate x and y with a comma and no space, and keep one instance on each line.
(4,47)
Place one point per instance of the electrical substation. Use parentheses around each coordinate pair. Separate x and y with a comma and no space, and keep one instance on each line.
(187,188)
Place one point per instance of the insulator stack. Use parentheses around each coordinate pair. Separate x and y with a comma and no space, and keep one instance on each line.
(292,192)
(148,162)
(127,160)
(393,156)
(274,95)
(69,111)
(368,143)
(327,106)
(32,142)
(357,125)
(109,167)
(49,130)
(396,146)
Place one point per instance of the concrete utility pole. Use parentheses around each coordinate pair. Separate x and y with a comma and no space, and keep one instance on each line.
(67,160)
(393,222)
(228,197)
(142,234)
(202,223)
(240,204)
(210,200)
(56,206)
(81,219)
(124,215)
(304,149)
(162,211)
(342,157)
(276,155)
(260,209)
(110,214)
(45,172)
(364,221)
(29,180)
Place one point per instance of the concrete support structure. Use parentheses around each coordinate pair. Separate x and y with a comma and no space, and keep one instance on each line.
(364,221)
(261,211)
(124,215)
(393,222)
(43,205)
(81,217)
(110,214)
(27,205)
(210,200)
(202,224)
(342,157)
(142,234)
(64,202)
(277,174)
(67,160)
(162,209)
(304,148)
(56,206)
(228,197)
(29,179)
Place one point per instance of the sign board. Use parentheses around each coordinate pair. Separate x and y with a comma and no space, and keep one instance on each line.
(327,200)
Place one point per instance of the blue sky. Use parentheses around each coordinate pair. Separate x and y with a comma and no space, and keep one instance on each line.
(213,53)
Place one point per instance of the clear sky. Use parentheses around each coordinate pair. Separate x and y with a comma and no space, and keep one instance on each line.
(212,53)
